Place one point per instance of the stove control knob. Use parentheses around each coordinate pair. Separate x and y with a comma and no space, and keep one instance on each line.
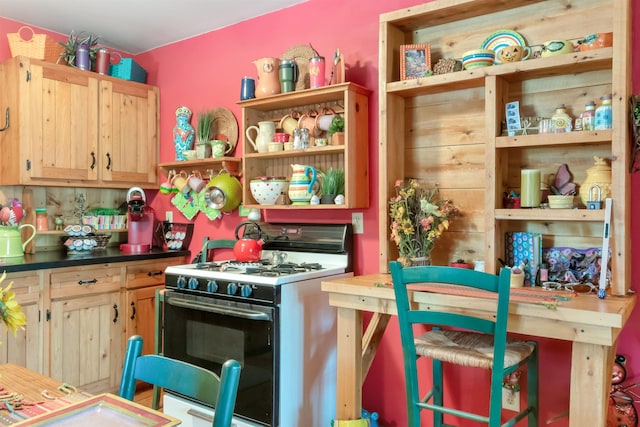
(193,283)
(245,291)
(181,282)
(232,288)
(212,286)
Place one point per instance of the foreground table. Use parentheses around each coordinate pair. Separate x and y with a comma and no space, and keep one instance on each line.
(591,324)
(45,401)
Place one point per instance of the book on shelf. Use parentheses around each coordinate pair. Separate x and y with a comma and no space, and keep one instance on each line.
(524,248)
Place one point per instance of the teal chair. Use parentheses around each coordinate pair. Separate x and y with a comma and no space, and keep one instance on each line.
(181,377)
(460,339)
(214,244)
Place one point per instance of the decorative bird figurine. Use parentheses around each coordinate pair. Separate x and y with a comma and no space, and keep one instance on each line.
(13,214)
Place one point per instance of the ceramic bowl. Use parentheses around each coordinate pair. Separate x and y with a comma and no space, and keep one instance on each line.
(560,202)
(478,58)
(266,189)
(190,154)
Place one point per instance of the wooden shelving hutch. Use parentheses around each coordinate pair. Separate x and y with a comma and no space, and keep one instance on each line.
(347,99)
(446,129)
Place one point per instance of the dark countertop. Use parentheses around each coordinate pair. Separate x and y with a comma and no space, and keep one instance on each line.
(59,259)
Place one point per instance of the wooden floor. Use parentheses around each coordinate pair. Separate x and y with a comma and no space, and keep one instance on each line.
(145,396)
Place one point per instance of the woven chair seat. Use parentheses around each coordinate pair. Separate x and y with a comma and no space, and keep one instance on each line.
(469,348)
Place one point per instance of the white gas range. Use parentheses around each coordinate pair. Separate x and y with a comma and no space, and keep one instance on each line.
(271,316)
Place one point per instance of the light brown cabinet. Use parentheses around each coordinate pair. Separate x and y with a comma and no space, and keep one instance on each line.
(86,327)
(68,127)
(446,129)
(142,281)
(26,347)
(347,99)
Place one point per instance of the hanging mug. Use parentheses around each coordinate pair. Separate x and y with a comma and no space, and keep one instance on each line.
(180,183)
(288,123)
(308,121)
(323,120)
(196,182)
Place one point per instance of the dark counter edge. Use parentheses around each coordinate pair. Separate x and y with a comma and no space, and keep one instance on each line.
(60,259)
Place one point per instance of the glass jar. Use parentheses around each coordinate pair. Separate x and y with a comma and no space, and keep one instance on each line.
(588,116)
(603,114)
(42,221)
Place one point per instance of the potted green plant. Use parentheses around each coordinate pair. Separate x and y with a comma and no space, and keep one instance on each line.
(68,55)
(336,130)
(332,185)
(203,134)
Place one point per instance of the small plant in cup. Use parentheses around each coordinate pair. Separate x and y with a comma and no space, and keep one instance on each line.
(336,130)
(203,134)
(332,185)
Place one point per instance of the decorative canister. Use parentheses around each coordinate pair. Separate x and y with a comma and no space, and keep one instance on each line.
(183,132)
(599,174)
(588,116)
(603,114)
(562,119)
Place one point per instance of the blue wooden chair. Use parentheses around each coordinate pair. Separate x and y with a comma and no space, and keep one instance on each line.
(184,378)
(462,339)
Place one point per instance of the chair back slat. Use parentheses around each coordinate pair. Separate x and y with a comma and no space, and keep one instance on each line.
(184,378)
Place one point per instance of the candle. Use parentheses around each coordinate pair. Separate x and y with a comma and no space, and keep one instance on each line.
(530,188)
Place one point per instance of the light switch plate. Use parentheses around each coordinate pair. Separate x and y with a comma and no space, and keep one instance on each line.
(510,399)
(357,221)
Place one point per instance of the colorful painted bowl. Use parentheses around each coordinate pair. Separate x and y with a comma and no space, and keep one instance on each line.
(478,58)
(266,189)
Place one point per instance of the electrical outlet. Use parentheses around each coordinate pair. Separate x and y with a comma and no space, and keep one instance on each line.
(168,216)
(358,222)
(510,399)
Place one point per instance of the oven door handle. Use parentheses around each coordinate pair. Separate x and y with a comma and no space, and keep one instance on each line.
(214,308)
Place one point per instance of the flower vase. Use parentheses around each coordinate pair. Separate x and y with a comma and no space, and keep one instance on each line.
(419,261)
(183,132)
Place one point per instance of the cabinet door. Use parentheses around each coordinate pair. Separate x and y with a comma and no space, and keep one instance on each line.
(86,337)
(60,114)
(24,349)
(140,312)
(129,114)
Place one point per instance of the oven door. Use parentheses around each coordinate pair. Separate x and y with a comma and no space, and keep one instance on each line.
(207,331)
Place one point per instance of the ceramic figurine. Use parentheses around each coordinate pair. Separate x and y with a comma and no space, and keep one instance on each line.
(183,132)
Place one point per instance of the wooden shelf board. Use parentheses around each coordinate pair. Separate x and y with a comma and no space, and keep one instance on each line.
(549,215)
(546,139)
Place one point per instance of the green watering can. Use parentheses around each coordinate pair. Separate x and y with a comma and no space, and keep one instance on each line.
(11,244)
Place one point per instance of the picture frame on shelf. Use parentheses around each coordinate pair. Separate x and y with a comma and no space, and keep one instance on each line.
(415,61)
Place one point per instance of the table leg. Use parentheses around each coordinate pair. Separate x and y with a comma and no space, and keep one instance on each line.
(591,366)
(349,369)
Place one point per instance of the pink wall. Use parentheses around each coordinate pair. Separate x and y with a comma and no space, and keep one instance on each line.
(204,72)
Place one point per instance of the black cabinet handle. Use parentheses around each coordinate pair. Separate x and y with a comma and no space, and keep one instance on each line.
(154,273)
(133,310)
(108,161)
(6,121)
(93,160)
(115,309)
(87,282)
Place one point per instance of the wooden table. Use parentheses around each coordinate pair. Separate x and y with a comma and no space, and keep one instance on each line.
(591,324)
(49,400)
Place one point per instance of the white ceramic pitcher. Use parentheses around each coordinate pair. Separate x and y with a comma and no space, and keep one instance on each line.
(264,135)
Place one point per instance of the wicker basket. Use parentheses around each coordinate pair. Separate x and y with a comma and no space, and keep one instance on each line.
(38,46)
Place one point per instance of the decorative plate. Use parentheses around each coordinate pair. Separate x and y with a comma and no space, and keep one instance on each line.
(500,39)
(225,126)
(301,54)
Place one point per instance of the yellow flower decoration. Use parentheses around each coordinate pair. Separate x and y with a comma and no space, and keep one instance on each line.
(418,218)
(10,311)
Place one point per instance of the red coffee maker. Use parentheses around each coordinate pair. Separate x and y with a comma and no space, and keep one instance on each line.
(140,220)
